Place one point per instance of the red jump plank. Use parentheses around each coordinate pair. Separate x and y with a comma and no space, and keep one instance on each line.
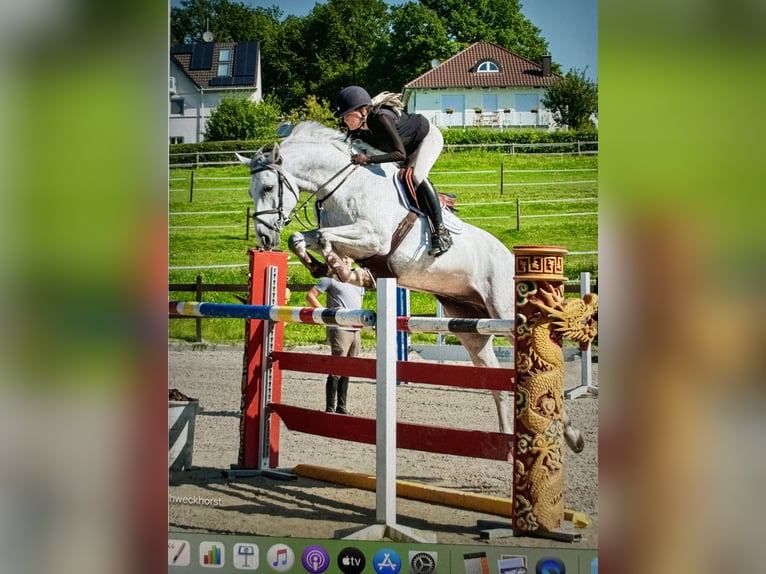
(469,443)
(465,376)
(325,364)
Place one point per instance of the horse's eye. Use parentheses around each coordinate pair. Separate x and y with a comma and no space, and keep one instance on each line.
(268,188)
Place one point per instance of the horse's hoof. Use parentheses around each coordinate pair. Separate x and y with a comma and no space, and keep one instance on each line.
(574,441)
(295,241)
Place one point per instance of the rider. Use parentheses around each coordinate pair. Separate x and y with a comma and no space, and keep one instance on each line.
(406,138)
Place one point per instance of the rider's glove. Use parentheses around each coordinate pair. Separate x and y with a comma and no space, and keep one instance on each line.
(360,159)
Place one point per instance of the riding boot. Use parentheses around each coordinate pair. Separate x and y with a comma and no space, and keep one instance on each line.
(342,393)
(331,388)
(429,203)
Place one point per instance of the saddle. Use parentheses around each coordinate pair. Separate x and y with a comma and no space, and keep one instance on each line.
(378,264)
(407,189)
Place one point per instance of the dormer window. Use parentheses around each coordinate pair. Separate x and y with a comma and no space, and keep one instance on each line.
(487,67)
(224,59)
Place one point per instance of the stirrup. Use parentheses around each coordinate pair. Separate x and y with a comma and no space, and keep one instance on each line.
(441,241)
(440,247)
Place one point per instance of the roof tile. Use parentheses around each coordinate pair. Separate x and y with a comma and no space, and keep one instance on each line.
(459,70)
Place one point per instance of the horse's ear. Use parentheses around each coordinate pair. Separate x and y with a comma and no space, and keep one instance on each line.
(242,159)
(275,157)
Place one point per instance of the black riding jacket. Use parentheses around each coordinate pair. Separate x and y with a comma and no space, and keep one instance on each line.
(397,136)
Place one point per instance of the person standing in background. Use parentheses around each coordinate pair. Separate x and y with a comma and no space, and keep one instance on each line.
(343,341)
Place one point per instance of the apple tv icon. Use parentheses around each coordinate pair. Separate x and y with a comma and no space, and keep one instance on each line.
(351,560)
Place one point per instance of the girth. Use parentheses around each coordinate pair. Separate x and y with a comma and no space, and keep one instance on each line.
(378,265)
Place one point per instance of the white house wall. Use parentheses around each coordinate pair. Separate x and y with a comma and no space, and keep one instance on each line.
(198,106)
(428,102)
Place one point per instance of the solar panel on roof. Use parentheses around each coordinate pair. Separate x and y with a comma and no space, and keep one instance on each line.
(245,58)
(182,49)
(202,57)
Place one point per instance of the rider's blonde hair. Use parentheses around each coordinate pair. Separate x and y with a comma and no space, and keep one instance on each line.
(390,100)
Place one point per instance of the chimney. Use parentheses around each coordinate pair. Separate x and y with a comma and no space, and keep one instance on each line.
(546,66)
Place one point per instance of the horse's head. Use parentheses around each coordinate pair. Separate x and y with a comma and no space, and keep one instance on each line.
(274,194)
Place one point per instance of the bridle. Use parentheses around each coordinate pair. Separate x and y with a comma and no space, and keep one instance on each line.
(283,219)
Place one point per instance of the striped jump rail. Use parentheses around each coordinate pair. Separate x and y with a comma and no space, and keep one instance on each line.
(361,318)
(277,313)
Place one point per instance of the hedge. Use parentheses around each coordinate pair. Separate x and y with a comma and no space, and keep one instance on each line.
(457,136)
(219,146)
(452,136)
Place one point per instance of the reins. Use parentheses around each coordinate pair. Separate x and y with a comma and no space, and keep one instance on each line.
(319,201)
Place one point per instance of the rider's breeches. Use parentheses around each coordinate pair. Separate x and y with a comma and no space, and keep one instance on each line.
(424,158)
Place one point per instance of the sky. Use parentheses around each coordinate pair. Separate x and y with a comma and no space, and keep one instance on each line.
(569,26)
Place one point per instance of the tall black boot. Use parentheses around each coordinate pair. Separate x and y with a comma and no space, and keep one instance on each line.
(429,203)
(342,394)
(331,388)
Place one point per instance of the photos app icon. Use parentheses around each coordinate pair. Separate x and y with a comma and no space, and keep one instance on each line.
(351,560)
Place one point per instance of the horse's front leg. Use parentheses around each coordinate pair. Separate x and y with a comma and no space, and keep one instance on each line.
(298,243)
(335,267)
(335,242)
(361,238)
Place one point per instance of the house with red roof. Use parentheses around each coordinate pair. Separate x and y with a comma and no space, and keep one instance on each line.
(484,85)
(201,75)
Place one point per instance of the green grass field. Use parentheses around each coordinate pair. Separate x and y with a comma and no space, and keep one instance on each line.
(474,176)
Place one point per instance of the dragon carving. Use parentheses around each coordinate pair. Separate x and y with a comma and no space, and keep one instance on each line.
(544,318)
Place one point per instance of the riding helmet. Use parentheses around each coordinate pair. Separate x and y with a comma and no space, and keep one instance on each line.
(350,99)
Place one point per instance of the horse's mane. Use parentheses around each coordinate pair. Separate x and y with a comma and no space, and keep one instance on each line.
(314,132)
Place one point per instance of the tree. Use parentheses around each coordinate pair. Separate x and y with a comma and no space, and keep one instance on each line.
(228,21)
(241,119)
(572,99)
(497,21)
(285,64)
(313,109)
(418,36)
(341,38)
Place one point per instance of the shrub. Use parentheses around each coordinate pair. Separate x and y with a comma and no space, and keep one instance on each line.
(236,119)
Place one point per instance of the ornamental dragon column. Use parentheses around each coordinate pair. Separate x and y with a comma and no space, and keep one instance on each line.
(543,318)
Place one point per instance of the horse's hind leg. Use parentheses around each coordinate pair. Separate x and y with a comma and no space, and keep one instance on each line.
(482,354)
(572,435)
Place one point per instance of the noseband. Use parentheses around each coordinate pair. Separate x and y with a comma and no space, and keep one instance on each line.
(283,219)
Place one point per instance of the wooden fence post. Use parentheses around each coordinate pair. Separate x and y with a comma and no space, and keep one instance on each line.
(501,178)
(198,320)
(247,225)
(518,215)
(191,188)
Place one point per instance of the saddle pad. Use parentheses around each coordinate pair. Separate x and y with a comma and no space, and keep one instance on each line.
(451,221)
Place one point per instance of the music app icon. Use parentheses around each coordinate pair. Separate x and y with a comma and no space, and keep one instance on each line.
(280,557)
